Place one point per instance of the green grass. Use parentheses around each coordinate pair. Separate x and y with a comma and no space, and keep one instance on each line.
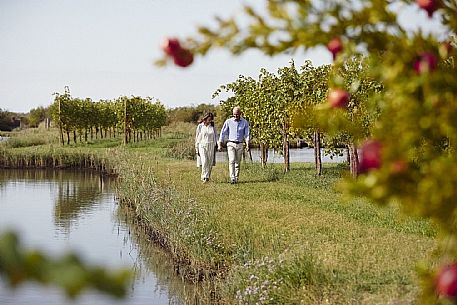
(274,238)
(30,137)
(357,253)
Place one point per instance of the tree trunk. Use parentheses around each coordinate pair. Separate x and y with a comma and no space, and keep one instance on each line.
(263,154)
(286,152)
(61,135)
(348,155)
(126,140)
(317,153)
(60,125)
(354,159)
(74,136)
(285,148)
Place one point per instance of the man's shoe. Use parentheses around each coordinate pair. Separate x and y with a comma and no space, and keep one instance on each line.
(233,181)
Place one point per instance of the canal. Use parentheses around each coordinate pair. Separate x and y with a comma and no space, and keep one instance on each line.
(61,211)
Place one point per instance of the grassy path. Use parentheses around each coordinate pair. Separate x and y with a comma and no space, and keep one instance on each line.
(361,254)
(272,238)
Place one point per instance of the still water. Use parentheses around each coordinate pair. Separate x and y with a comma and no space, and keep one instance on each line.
(59,211)
(305,154)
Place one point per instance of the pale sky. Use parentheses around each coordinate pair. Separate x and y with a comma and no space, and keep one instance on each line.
(104,49)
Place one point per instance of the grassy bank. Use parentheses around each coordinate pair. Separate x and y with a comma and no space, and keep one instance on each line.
(271,239)
(288,239)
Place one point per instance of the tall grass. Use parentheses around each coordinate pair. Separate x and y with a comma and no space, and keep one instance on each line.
(178,223)
(182,150)
(52,157)
(179,130)
(31,137)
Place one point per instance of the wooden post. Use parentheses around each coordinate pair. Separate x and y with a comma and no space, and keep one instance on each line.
(265,148)
(317,153)
(286,147)
(125,121)
(354,159)
(60,126)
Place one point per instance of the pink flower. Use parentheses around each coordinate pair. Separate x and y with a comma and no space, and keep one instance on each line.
(335,46)
(181,57)
(171,46)
(338,98)
(446,281)
(371,156)
(430,6)
(427,62)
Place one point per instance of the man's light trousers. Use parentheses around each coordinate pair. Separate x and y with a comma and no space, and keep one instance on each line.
(235,152)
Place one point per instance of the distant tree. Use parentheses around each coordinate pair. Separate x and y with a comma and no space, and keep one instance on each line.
(201,109)
(7,120)
(37,115)
(179,114)
(189,114)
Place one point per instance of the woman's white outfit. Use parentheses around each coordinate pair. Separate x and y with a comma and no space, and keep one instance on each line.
(197,132)
(205,144)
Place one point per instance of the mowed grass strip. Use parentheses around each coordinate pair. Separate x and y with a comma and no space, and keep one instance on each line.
(368,253)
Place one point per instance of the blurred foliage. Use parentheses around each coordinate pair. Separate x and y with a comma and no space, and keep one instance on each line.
(67,272)
(416,110)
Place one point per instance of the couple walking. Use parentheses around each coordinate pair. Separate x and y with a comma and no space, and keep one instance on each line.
(235,129)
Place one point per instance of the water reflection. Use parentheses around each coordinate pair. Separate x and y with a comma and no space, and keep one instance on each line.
(39,203)
(74,200)
(297,155)
(181,290)
(78,192)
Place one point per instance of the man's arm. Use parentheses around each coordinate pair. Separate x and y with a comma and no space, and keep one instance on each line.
(247,135)
(223,134)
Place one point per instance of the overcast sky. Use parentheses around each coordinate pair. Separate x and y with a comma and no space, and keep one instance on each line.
(104,49)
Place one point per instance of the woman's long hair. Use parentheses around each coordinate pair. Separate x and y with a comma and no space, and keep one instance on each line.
(207,115)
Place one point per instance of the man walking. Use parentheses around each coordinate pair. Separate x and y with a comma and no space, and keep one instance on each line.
(236,130)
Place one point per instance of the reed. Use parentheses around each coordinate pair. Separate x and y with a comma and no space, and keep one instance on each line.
(51,157)
(177,223)
(31,137)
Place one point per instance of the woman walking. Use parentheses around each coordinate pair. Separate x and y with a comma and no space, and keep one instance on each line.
(205,145)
